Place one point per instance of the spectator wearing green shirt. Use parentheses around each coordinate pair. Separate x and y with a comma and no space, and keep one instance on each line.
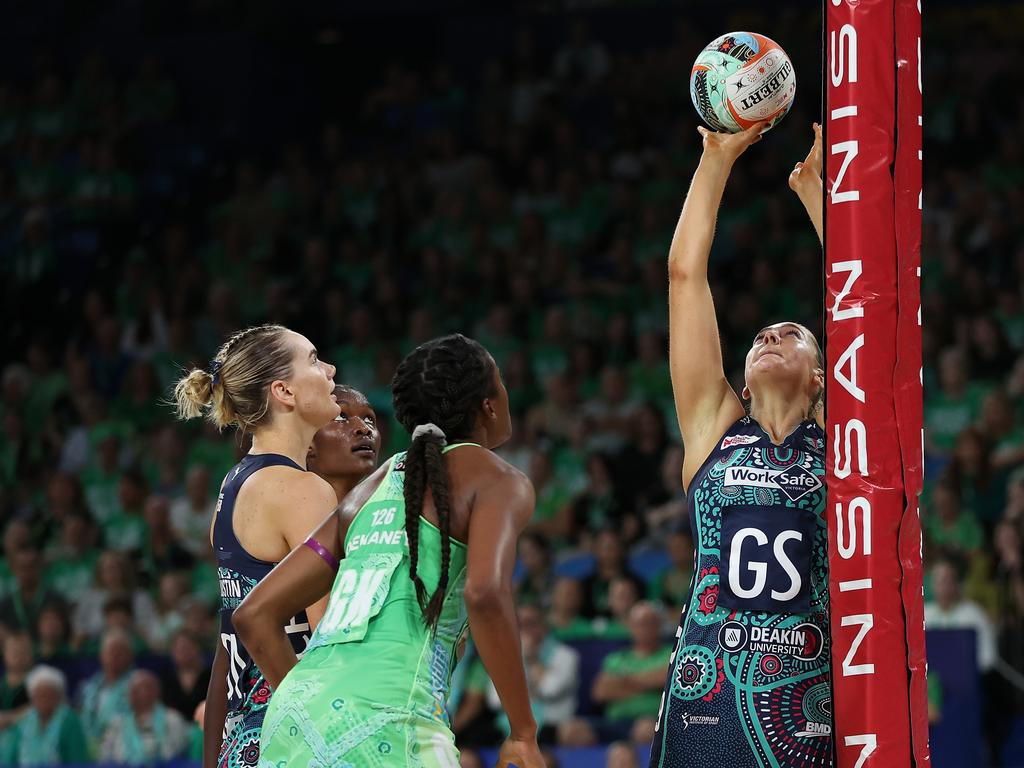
(934,697)
(161,551)
(115,578)
(610,564)
(949,527)
(72,557)
(140,404)
(954,405)
(51,732)
(631,680)
(564,618)
(538,579)
(101,477)
(629,684)
(672,585)
(611,412)
(648,374)
(125,529)
(553,497)
(54,633)
(104,696)
(13,693)
(624,592)
(20,610)
(192,512)
(148,732)
(1002,427)
(557,414)
(552,675)
(981,488)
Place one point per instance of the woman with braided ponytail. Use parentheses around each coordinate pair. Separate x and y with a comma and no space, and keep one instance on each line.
(426,547)
(267,381)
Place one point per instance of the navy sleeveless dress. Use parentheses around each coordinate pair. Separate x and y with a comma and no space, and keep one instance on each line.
(749,681)
(239,572)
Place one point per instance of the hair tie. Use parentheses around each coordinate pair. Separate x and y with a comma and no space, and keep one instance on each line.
(429,429)
(214,370)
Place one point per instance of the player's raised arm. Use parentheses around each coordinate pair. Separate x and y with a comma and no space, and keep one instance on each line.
(705,403)
(805,180)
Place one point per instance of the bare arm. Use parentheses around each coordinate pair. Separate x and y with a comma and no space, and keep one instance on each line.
(703,396)
(500,512)
(805,180)
(312,502)
(300,580)
(216,707)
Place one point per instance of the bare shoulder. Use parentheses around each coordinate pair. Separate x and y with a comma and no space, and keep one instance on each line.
(287,486)
(485,469)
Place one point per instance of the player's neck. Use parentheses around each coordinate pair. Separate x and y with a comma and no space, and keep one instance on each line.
(778,415)
(285,440)
(341,484)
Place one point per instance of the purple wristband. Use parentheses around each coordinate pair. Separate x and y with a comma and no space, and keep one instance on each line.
(324,553)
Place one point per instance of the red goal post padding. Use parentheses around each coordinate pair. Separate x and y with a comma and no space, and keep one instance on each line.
(873,341)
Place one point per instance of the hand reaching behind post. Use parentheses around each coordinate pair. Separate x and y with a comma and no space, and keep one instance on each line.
(805,180)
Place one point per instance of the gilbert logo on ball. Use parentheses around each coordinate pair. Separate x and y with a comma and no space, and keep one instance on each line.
(740,79)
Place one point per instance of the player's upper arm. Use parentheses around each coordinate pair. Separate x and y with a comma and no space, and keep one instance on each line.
(308,500)
(501,509)
(703,396)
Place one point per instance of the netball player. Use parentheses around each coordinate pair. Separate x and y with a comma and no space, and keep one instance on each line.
(425,543)
(748,682)
(267,381)
(345,451)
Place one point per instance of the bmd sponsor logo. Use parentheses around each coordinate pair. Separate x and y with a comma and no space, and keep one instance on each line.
(795,482)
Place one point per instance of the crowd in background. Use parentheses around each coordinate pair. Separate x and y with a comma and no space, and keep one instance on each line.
(528,203)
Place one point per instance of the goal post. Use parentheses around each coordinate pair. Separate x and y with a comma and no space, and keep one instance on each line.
(874,406)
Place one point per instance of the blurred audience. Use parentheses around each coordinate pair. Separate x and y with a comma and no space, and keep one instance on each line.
(50,733)
(527,198)
(149,732)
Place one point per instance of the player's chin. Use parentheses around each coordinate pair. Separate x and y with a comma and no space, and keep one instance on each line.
(361,462)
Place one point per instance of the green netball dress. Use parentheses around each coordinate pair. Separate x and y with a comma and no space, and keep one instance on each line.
(371,689)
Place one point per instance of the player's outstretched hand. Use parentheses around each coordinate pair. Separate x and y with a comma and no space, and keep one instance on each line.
(807,175)
(731,145)
(520,753)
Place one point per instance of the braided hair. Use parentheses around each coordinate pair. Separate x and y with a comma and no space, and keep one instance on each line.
(441,382)
(234,391)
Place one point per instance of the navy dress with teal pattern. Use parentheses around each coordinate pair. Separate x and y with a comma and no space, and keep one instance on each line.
(239,572)
(749,680)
